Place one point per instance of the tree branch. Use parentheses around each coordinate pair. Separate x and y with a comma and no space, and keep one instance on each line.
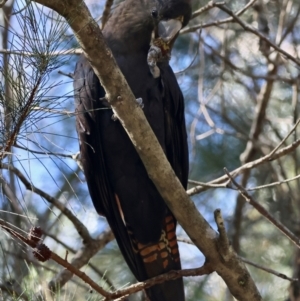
(257,33)
(269,157)
(81,258)
(291,236)
(80,227)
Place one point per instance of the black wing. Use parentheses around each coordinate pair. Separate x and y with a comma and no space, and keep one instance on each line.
(175,128)
(88,92)
(118,182)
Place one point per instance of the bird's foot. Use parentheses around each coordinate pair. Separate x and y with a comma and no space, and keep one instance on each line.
(114,117)
(154,55)
(140,102)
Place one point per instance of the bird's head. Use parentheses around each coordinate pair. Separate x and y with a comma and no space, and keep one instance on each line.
(135,24)
(169,16)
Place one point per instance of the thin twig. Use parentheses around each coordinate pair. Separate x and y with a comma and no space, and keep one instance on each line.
(69,75)
(267,77)
(225,185)
(268,270)
(190,64)
(185,240)
(80,227)
(273,184)
(25,111)
(263,100)
(172,275)
(285,138)
(53,53)
(235,18)
(271,271)
(245,167)
(58,112)
(264,212)
(46,153)
(14,289)
(208,185)
(205,8)
(81,258)
(257,33)
(219,22)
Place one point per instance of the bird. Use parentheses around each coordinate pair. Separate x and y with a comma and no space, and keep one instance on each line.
(140,34)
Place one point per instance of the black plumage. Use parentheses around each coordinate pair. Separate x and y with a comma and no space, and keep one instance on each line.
(118,182)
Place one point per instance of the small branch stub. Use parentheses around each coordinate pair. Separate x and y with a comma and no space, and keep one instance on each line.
(224,246)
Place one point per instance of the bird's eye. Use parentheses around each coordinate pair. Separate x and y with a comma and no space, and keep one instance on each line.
(154,13)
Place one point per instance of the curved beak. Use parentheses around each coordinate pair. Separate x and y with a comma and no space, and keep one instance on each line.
(167,30)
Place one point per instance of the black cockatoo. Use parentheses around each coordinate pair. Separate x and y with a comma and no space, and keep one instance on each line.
(140,34)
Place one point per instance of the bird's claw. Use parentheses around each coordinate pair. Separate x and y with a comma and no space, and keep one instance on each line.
(154,56)
(140,102)
(114,117)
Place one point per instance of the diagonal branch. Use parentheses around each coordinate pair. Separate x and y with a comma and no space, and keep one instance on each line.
(81,258)
(80,227)
(210,5)
(291,236)
(257,33)
(269,157)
